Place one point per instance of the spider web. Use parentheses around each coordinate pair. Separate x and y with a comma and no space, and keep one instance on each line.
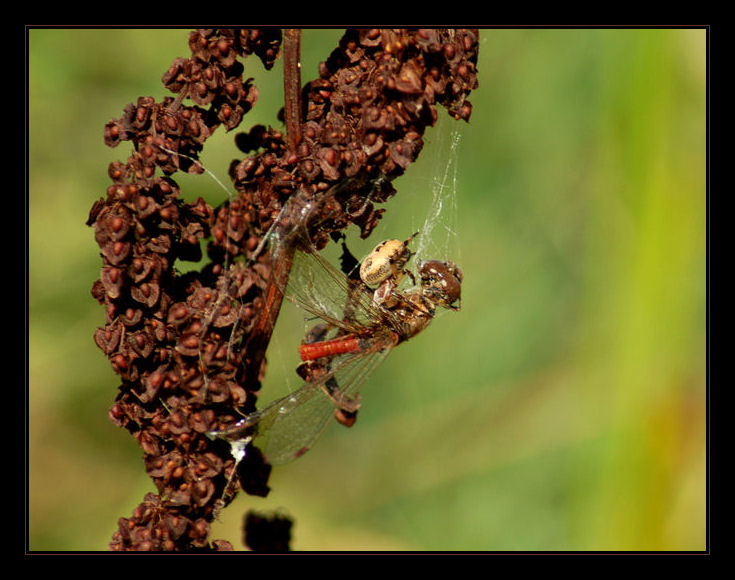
(432,195)
(437,239)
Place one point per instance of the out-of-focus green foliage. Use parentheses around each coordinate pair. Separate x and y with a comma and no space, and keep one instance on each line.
(562,409)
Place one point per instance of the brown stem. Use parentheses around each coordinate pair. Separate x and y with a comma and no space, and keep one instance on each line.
(281,257)
(292,85)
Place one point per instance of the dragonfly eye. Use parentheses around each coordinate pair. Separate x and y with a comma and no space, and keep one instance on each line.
(441,282)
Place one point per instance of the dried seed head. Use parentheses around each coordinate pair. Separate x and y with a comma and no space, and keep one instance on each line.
(177,341)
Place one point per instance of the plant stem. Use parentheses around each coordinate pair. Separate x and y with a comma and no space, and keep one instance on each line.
(292,85)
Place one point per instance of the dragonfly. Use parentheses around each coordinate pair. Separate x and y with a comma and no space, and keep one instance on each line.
(361,320)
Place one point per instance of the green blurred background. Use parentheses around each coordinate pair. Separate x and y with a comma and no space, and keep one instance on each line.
(564,408)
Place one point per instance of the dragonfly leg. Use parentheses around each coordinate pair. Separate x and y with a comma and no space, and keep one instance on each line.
(339,398)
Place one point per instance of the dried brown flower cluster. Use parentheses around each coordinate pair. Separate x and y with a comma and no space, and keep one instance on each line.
(363,121)
(190,349)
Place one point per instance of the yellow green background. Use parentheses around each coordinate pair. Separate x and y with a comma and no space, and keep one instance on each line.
(564,408)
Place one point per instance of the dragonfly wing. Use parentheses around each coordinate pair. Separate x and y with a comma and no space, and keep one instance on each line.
(318,287)
(290,426)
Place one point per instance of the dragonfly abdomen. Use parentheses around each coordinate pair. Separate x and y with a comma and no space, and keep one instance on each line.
(340,345)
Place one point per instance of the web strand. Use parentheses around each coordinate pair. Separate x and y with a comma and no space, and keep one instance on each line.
(438,237)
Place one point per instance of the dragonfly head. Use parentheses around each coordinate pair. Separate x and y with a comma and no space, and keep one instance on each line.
(441,283)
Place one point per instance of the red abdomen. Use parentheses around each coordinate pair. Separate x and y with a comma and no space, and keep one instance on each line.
(341,345)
